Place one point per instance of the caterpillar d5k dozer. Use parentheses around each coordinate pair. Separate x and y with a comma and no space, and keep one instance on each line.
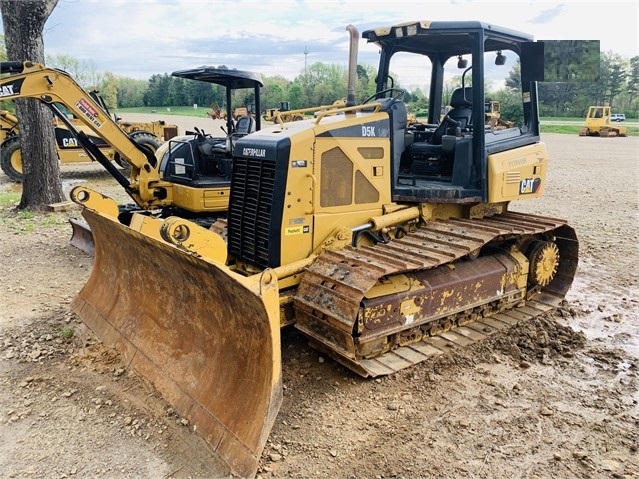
(383,243)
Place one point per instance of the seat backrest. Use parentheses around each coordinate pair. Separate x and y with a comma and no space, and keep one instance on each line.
(245,125)
(461,103)
(462,97)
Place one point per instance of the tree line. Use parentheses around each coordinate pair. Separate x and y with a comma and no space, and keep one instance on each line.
(318,84)
(322,84)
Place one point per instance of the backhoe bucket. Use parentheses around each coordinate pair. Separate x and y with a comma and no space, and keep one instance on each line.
(81,236)
(208,340)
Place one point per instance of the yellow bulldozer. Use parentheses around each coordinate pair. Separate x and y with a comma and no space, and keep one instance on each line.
(149,134)
(283,113)
(492,110)
(598,123)
(383,243)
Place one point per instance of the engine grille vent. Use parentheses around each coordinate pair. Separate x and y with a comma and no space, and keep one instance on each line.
(250,210)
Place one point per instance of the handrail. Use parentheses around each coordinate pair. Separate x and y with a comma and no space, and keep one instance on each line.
(327,110)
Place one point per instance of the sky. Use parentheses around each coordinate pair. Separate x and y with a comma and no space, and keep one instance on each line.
(140,38)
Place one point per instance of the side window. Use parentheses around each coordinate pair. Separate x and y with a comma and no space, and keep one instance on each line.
(503,94)
(411,72)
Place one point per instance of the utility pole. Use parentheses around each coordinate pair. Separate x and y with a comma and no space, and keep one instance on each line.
(306,85)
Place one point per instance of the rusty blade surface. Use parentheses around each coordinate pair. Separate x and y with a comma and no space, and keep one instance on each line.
(207,340)
(81,237)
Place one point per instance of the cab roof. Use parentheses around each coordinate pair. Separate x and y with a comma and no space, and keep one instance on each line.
(233,79)
(442,36)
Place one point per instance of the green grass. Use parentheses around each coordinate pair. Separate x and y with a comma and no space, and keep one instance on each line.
(574,129)
(27,221)
(67,332)
(9,199)
(562,119)
(162,110)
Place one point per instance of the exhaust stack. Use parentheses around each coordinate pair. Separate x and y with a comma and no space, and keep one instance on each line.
(352,66)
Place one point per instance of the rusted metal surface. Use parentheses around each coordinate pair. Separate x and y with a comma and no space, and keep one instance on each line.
(381,334)
(81,237)
(208,342)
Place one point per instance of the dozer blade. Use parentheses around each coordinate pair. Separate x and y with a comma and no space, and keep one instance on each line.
(208,340)
(81,237)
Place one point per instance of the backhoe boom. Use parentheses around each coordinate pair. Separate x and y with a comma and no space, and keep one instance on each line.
(49,85)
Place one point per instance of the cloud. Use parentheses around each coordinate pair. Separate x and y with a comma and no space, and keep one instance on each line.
(547,16)
(145,37)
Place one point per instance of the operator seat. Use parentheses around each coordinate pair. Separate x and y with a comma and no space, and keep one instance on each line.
(461,103)
(434,156)
(243,126)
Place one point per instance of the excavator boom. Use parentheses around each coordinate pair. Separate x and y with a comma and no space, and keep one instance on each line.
(48,85)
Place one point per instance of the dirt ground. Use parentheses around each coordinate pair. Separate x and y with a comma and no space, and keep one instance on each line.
(554,398)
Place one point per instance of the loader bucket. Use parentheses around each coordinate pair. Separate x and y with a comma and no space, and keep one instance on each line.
(207,339)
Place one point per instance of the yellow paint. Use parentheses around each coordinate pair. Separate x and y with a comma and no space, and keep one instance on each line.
(397,283)
(512,174)
(201,199)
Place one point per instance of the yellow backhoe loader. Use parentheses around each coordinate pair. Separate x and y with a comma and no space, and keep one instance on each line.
(188,175)
(8,125)
(384,244)
(149,134)
(283,113)
(138,129)
(598,123)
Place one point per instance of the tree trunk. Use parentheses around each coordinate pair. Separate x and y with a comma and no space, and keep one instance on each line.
(23,25)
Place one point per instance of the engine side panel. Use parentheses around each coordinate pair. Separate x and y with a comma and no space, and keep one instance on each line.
(517,174)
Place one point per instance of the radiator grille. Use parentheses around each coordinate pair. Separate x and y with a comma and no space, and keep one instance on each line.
(250,210)
(336,180)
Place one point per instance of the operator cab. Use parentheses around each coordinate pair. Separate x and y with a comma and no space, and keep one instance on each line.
(202,160)
(443,158)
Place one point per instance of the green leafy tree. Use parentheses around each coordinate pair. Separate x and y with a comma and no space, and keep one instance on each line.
(633,85)
(108,89)
(131,92)
(295,95)
(617,76)
(329,83)
(365,82)
(84,72)
(275,90)
(419,102)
